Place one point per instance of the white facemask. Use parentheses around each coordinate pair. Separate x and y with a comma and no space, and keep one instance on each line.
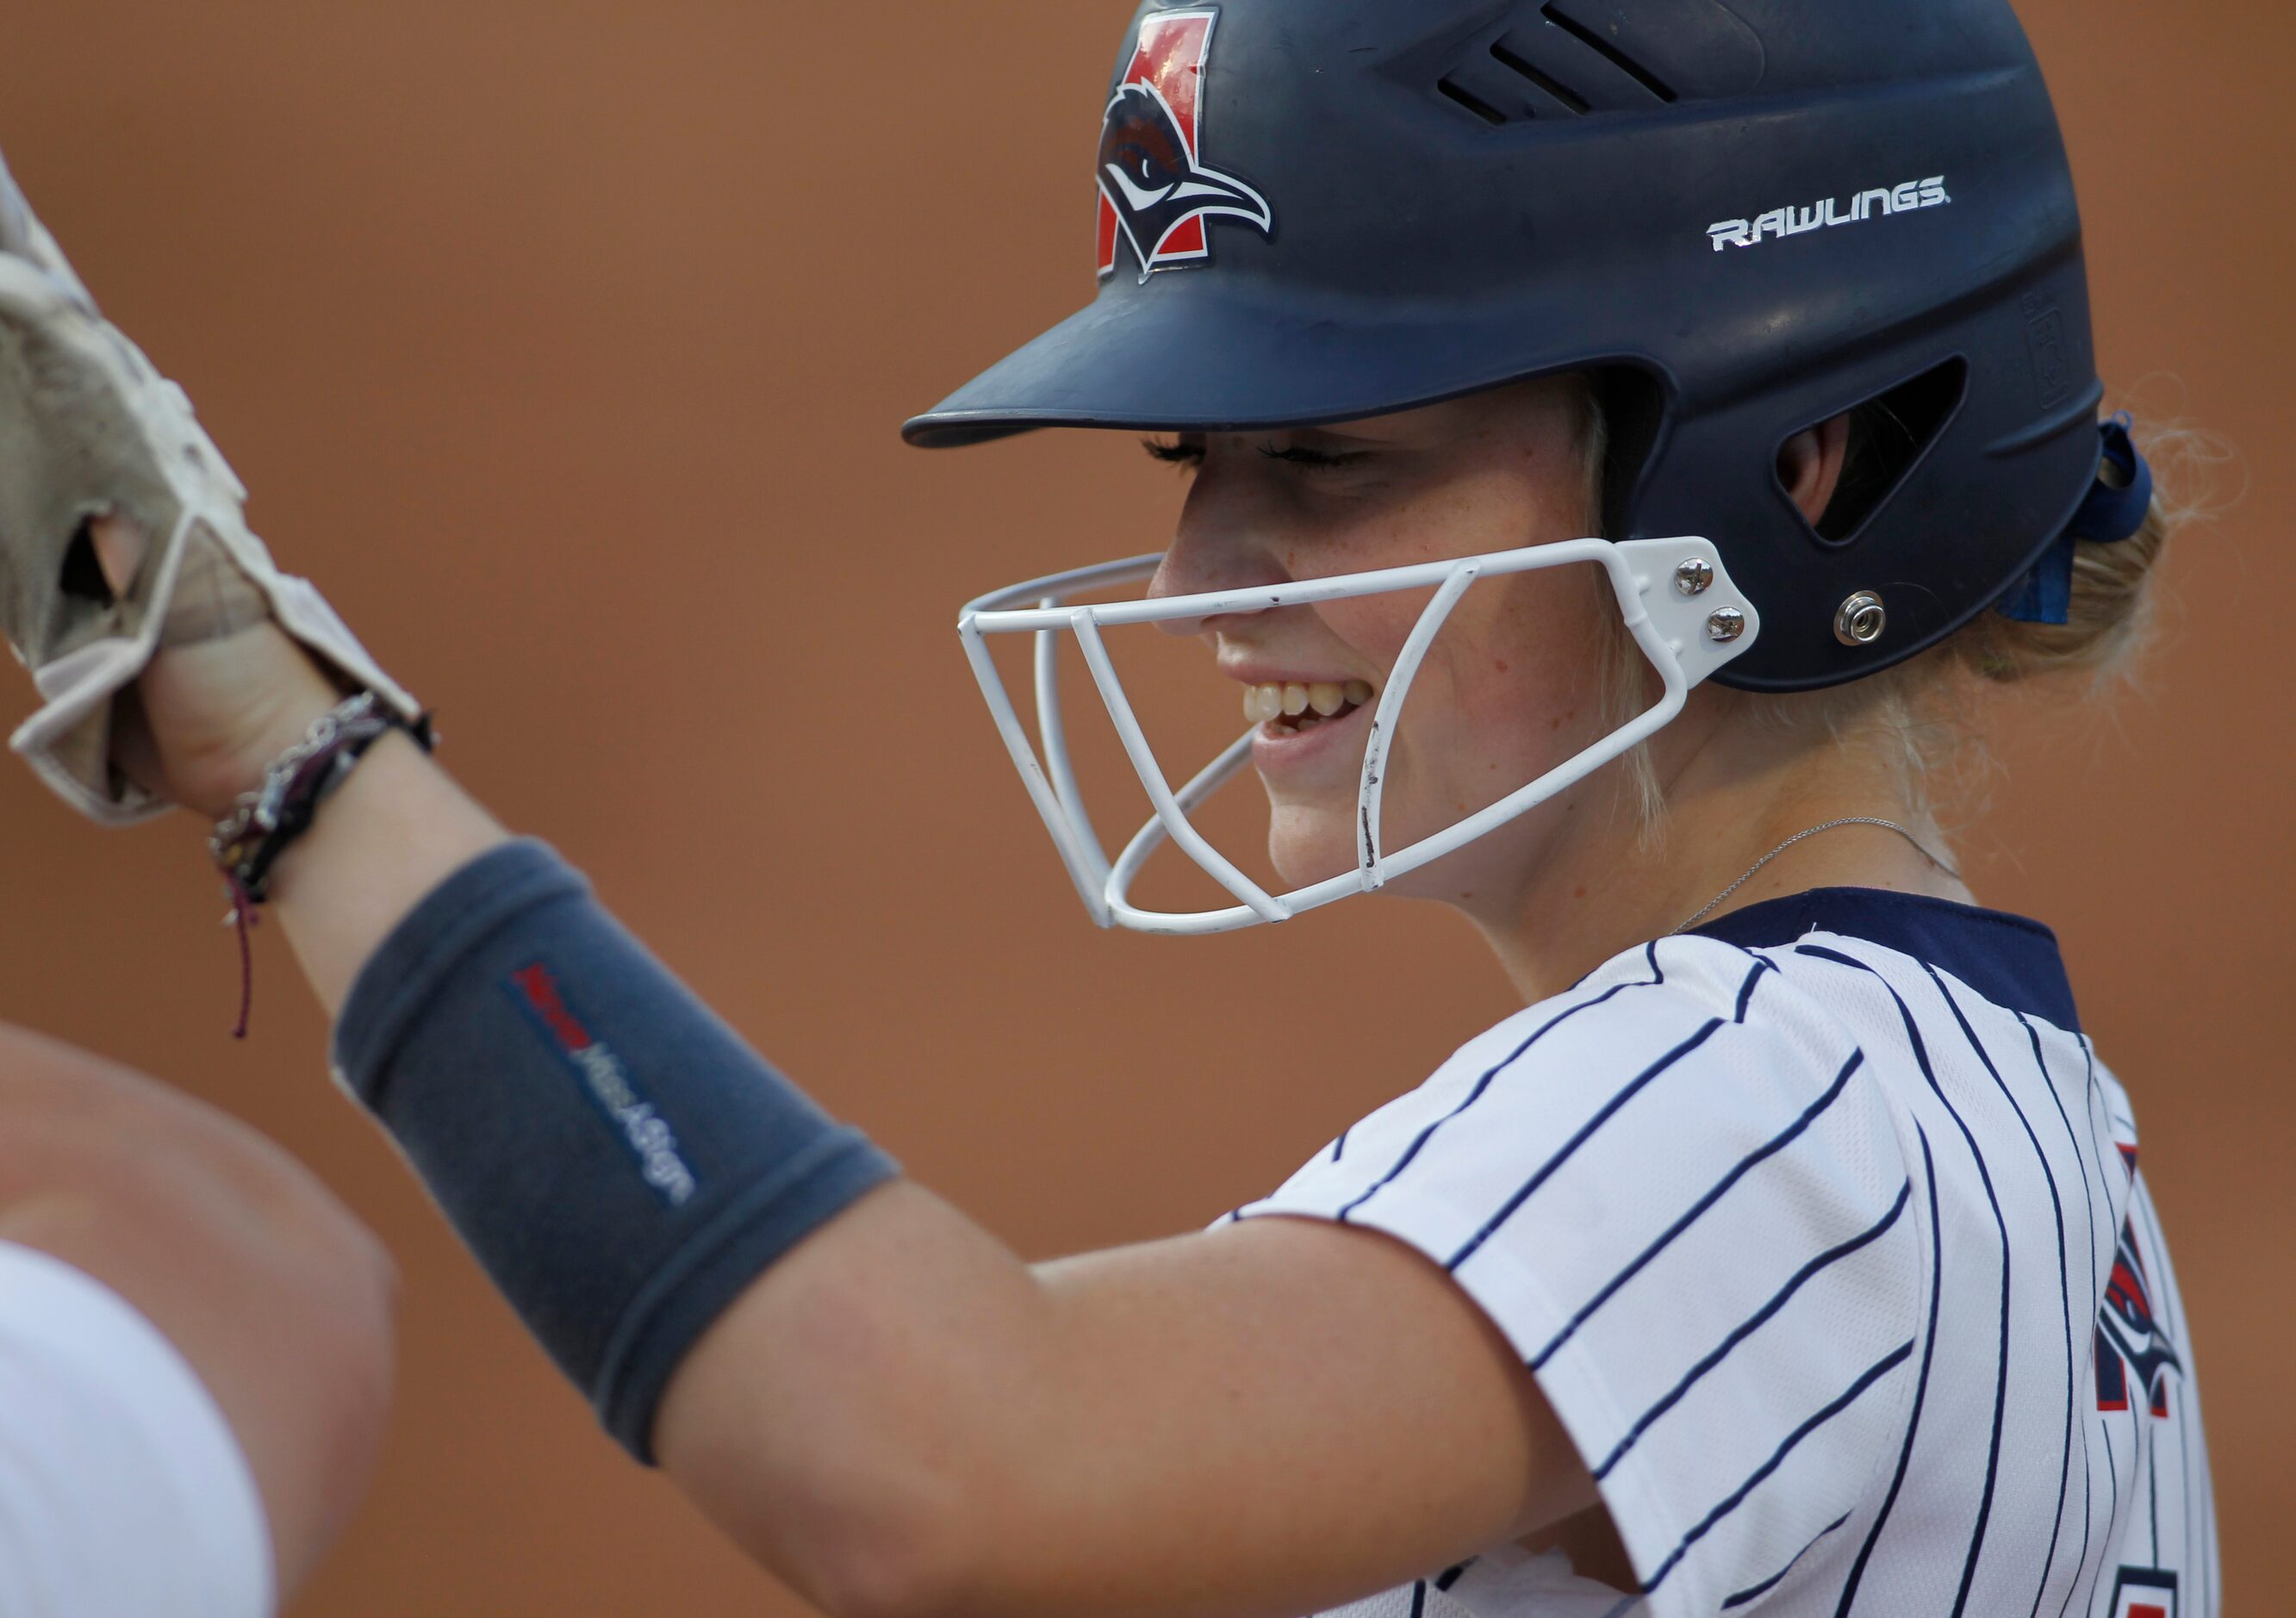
(1678,604)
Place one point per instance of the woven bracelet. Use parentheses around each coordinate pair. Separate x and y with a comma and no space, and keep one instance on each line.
(265,823)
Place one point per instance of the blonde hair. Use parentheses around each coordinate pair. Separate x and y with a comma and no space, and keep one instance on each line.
(1926,709)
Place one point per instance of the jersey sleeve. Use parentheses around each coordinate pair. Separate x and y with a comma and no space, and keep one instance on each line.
(1675,1195)
(123,1491)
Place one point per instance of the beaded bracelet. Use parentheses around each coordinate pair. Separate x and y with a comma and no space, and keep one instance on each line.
(265,823)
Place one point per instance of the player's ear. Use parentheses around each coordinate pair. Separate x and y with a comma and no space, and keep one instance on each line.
(1810,463)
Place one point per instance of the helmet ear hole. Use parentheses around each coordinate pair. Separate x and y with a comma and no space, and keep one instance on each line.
(1889,435)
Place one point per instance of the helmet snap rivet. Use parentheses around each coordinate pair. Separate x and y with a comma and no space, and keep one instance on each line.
(1694,576)
(1726,626)
(1861,620)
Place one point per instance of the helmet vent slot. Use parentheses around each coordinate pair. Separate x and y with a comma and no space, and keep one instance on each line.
(1545,81)
(1472,102)
(1608,49)
(1541,62)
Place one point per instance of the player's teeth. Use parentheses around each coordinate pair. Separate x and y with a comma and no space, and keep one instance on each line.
(1310,722)
(1323,699)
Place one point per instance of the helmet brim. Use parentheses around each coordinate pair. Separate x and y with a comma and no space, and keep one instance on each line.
(1221,362)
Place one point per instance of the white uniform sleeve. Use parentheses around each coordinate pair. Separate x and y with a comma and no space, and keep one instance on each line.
(1674,1194)
(123,1492)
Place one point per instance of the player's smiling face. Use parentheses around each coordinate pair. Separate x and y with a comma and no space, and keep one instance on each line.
(1511,684)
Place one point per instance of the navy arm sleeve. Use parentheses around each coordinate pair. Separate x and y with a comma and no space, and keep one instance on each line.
(619,1161)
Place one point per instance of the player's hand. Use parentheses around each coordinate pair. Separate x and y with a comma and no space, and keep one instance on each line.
(227,691)
(95,433)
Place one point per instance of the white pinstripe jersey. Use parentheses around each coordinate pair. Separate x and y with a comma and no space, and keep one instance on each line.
(1823,1232)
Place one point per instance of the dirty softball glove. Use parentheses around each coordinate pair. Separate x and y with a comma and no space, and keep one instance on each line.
(88,431)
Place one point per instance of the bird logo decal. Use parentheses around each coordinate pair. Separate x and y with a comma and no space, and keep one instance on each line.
(2134,1354)
(1155,194)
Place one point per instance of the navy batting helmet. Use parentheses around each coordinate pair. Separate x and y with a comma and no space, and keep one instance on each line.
(1743,216)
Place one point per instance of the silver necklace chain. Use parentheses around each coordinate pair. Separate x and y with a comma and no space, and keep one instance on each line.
(1831,826)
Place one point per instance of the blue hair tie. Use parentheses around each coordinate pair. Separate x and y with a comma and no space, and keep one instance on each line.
(2112,512)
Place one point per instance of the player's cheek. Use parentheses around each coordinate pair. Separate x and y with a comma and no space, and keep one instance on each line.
(1520,698)
(1373,628)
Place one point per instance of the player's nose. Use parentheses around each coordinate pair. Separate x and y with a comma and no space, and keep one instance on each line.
(1220,545)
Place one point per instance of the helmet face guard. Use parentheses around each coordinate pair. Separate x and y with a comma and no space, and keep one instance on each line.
(1677,603)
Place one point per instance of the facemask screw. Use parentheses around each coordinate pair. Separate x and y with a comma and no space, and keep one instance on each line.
(1694,576)
(1861,620)
(1726,626)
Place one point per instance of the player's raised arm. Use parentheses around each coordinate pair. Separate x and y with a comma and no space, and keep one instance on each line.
(876,1398)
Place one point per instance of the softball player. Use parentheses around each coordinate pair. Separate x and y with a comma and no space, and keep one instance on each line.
(1621,433)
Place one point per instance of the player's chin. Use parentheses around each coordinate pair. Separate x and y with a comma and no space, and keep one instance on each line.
(1311,843)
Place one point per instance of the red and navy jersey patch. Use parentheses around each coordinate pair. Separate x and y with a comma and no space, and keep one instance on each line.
(2133,1355)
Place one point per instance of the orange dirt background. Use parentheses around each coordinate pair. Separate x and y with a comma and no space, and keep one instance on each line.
(565,344)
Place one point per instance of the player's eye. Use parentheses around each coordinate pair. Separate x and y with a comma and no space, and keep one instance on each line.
(1174,452)
(1313,460)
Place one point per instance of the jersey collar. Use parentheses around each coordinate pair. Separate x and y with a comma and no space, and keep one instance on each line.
(2012,960)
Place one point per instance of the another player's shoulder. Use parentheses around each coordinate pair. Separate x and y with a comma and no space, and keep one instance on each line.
(122,1485)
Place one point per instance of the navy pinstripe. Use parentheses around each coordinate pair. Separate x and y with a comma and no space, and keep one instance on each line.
(1737,1497)
(1751,1325)
(2152,1442)
(1746,1165)
(1920,1389)
(2174,1298)
(1775,1579)
(1993,1198)
(1586,1132)
(1746,994)
(2094,1111)
(1657,977)
(2088,1208)
(2064,1289)
(2185,1454)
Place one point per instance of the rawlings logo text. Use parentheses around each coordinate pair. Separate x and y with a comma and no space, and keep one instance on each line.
(1829,212)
